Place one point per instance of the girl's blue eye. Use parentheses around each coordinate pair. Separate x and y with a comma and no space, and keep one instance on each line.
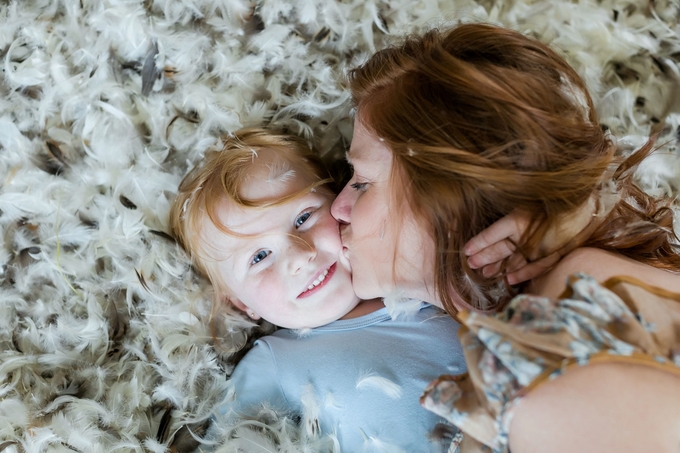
(302,219)
(259,256)
(359,185)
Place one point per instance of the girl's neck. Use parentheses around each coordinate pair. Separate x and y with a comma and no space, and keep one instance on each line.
(364,307)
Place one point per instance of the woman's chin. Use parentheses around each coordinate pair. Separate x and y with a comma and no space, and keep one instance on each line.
(344,259)
(366,290)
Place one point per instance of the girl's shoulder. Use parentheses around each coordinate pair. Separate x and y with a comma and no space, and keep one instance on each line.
(601,265)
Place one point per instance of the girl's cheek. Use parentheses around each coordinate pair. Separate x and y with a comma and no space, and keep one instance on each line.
(267,287)
(328,234)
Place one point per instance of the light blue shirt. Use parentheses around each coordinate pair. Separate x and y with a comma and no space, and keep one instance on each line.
(330,361)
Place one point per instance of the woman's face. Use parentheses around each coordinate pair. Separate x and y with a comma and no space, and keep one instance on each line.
(388,249)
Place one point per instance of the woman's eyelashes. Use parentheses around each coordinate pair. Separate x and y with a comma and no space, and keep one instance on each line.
(360,186)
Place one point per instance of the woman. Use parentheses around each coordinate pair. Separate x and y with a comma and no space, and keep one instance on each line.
(455,130)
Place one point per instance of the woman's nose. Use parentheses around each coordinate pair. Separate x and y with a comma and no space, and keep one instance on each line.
(341,209)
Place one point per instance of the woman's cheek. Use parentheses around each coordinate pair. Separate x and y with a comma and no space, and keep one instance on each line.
(367,216)
(374,239)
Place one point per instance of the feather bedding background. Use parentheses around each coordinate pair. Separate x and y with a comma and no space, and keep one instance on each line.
(106,104)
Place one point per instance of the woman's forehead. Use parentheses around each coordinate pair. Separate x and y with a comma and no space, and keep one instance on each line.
(366,148)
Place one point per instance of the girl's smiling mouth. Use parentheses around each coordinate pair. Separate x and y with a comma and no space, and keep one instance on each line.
(319,282)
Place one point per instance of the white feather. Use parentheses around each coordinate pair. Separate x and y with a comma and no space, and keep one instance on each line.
(372,381)
(310,412)
(251,441)
(400,307)
(374,444)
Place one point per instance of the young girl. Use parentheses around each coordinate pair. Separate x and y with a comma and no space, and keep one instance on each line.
(255,218)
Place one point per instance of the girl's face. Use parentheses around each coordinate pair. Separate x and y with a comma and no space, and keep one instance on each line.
(285,262)
(389,251)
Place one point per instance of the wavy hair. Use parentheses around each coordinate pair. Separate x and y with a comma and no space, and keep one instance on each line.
(482,120)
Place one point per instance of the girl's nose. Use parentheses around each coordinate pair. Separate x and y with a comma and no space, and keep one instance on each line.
(301,253)
(341,208)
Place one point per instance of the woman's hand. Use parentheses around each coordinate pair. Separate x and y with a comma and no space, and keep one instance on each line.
(491,247)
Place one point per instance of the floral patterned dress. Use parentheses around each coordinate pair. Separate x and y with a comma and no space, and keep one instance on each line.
(535,339)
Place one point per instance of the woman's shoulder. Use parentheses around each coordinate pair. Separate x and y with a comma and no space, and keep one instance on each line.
(601,265)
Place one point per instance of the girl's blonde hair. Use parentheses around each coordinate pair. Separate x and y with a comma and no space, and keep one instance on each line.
(220,176)
(482,120)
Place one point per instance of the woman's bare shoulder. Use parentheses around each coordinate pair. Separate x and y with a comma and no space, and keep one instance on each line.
(601,265)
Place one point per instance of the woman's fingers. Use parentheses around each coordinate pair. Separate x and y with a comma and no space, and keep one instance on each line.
(495,245)
(533,269)
(519,270)
(505,231)
(513,264)
(493,254)
(491,270)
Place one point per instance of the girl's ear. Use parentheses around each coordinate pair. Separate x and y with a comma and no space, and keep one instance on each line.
(237,303)
(244,308)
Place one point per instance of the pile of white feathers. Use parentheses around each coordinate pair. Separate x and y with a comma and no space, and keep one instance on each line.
(106,104)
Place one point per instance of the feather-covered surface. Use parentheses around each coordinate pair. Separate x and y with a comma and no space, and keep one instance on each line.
(105,104)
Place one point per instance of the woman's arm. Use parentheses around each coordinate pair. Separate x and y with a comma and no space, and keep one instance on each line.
(600,265)
(605,406)
(608,407)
